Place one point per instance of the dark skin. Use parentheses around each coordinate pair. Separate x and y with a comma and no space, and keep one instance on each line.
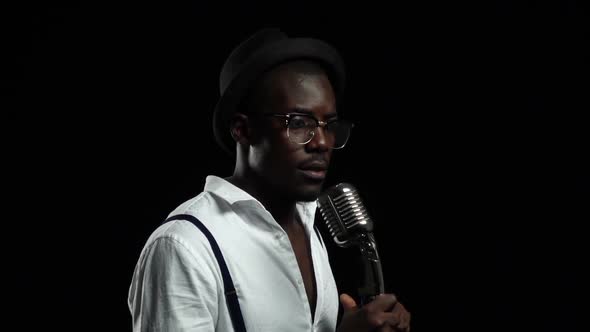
(272,169)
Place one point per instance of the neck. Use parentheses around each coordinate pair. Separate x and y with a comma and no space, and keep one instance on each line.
(282,209)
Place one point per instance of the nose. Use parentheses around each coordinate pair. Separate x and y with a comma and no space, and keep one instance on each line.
(321,140)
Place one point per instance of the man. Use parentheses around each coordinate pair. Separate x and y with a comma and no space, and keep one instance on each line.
(255,262)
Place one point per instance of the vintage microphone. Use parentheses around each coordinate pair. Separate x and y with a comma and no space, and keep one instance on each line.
(349,224)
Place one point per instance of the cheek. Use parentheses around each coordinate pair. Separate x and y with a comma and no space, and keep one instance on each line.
(277,147)
(273,155)
(272,139)
(276,163)
(267,159)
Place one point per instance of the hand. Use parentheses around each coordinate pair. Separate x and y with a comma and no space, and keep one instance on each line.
(384,314)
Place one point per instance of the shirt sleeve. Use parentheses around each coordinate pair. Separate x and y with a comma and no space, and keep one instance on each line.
(173,290)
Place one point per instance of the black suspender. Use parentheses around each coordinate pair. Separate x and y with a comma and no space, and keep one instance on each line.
(231,296)
(228,285)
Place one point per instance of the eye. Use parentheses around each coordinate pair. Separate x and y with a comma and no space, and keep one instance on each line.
(298,122)
(333,125)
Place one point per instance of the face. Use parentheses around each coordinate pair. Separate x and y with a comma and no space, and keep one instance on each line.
(295,171)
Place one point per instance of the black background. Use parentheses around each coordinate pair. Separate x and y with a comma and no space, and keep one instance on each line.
(469,149)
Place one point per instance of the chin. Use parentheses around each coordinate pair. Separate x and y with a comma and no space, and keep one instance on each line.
(309,193)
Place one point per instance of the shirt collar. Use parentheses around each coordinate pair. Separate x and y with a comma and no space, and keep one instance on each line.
(233,194)
(226,190)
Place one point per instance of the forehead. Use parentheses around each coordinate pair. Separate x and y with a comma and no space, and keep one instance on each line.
(287,87)
(299,82)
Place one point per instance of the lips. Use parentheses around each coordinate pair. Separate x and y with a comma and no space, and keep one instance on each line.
(315,170)
(314,175)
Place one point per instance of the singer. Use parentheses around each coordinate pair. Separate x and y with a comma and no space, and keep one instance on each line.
(244,254)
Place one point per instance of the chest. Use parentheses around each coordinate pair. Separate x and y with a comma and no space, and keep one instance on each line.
(302,251)
(284,281)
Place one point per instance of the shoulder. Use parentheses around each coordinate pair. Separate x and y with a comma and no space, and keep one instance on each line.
(181,235)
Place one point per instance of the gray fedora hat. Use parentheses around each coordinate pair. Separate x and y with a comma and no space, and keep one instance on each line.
(253,57)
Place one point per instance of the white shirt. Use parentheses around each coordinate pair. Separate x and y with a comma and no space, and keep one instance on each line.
(177,284)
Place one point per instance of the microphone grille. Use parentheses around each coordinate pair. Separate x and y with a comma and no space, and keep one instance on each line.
(343,211)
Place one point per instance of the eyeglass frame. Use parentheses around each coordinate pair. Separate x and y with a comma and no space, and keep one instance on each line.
(319,123)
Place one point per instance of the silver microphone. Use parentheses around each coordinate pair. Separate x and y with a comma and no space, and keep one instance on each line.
(349,223)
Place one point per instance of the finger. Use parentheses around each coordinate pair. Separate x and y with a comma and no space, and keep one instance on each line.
(380,319)
(403,316)
(392,319)
(348,303)
(386,328)
(383,302)
(403,326)
(405,321)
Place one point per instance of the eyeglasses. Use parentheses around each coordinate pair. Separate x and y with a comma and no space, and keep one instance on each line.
(301,129)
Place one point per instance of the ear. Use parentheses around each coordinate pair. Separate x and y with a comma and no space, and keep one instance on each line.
(239,128)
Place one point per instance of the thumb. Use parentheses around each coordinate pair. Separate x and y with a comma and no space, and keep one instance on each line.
(348,303)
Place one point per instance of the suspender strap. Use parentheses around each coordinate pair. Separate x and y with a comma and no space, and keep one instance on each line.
(230,292)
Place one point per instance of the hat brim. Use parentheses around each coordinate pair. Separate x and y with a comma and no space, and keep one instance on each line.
(265,59)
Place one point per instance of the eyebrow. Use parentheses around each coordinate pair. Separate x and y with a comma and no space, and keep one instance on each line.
(308,112)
